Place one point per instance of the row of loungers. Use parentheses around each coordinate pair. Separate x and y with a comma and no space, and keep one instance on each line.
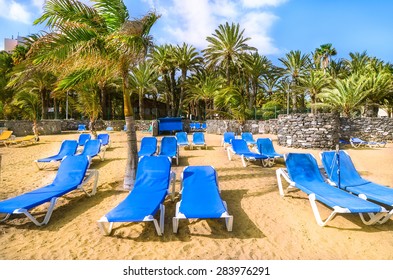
(200,195)
(263,151)
(343,189)
(84,146)
(169,145)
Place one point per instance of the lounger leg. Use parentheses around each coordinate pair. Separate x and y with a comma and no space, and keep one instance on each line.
(91,173)
(229,223)
(101,224)
(229,153)
(175,220)
(5,218)
(280,172)
(374,218)
(317,215)
(162,218)
(47,216)
(173,179)
(386,218)
(244,161)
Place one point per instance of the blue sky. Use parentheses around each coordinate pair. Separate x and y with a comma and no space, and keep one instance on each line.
(274,26)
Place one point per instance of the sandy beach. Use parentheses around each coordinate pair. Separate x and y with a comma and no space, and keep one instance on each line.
(266,226)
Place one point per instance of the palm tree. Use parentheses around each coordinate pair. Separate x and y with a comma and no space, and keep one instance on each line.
(187,58)
(226,48)
(346,96)
(143,79)
(295,64)
(29,102)
(204,86)
(163,59)
(256,66)
(324,53)
(313,84)
(89,105)
(105,38)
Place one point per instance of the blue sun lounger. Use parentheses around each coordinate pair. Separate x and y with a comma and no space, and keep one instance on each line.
(240,148)
(105,140)
(169,148)
(357,142)
(265,147)
(67,148)
(71,175)
(152,184)
(81,127)
(148,146)
(92,149)
(200,197)
(182,139)
(302,172)
(351,181)
(227,138)
(198,139)
(247,136)
(82,139)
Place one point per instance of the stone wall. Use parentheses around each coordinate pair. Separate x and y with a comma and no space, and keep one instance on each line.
(368,129)
(221,126)
(308,130)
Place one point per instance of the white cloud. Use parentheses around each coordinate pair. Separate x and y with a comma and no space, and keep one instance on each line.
(38,3)
(262,3)
(192,21)
(15,11)
(256,26)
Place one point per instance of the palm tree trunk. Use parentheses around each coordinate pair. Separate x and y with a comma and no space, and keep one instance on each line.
(141,107)
(132,152)
(184,76)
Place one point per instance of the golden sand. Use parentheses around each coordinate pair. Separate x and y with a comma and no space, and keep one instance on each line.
(266,226)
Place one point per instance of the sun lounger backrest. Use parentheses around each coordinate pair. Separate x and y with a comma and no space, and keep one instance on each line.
(148,146)
(349,176)
(153,174)
(5,134)
(265,146)
(71,171)
(198,138)
(92,148)
(239,146)
(168,146)
(303,169)
(247,136)
(83,138)
(182,137)
(68,147)
(228,136)
(104,137)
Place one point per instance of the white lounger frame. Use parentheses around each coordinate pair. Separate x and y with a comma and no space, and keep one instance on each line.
(265,162)
(178,215)
(150,218)
(373,218)
(89,175)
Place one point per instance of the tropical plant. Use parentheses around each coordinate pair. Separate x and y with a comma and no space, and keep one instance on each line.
(313,84)
(143,79)
(163,59)
(187,59)
(295,64)
(88,104)
(103,37)
(346,96)
(324,53)
(226,48)
(29,102)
